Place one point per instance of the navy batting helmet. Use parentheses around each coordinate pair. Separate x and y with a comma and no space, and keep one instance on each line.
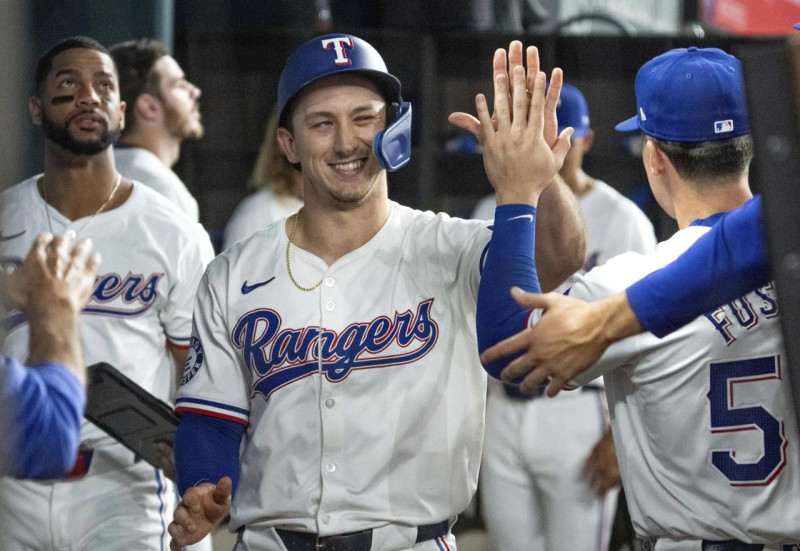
(340,53)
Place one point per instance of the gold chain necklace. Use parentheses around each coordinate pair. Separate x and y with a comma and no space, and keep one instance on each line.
(289,265)
(98,211)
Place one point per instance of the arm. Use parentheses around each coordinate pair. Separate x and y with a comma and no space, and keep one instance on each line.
(561,244)
(47,401)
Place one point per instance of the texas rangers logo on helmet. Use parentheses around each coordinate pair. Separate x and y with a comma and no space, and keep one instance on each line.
(193,361)
(338,43)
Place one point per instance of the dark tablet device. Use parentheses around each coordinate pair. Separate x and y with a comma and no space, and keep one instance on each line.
(126,411)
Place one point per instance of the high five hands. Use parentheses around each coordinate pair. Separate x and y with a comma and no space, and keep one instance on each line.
(522,150)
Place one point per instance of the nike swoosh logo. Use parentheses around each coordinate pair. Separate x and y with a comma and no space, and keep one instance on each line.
(7,237)
(528,216)
(250,288)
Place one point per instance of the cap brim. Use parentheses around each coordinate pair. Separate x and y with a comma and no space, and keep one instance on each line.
(628,125)
(796,26)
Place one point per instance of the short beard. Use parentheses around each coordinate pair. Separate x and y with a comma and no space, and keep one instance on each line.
(178,124)
(60,135)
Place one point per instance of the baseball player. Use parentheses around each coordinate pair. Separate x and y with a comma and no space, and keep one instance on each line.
(534,488)
(333,368)
(163,110)
(42,405)
(278,190)
(703,419)
(138,315)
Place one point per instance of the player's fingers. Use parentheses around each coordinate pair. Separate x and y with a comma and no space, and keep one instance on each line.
(504,348)
(556,385)
(514,61)
(488,128)
(534,300)
(536,113)
(39,248)
(467,122)
(222,491)
(554,90)
(561,148)
(532,54)
(501,105)
(499,63)
(519,99)
(520,367)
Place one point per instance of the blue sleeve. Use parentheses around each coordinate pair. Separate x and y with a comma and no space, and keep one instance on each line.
(206,449)
(47,404)
(726,263)
(509,261)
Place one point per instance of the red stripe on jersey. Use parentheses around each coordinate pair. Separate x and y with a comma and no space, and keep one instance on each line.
(184,409)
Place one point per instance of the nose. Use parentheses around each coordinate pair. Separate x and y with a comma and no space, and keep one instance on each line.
(87,95)
(195,91)
(346,139)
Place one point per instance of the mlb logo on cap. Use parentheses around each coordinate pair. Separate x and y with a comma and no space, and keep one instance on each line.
(690,95)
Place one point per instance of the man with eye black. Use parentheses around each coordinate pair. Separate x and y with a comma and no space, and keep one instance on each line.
(138,317)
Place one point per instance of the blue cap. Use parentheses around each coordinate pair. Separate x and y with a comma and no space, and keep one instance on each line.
(797,26)
(329,55)
(690,95)
(572,111)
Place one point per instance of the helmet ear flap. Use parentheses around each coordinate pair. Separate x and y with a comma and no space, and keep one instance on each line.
(392,145)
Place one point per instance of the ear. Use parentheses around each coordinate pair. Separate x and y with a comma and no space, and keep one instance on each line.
(148,108)
(35,110)
(588,141)
(122,107)
(287,143)
(655,161)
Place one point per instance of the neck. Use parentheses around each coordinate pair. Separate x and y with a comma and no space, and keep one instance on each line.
(331,234)
(695,202)
(78,185)
(163,146)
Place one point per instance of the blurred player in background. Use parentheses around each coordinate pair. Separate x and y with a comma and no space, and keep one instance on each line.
(549,465)
(163,110)
(278,190)
(703,420)
(138,317)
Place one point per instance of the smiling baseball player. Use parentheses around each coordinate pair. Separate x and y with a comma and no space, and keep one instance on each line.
(334,369)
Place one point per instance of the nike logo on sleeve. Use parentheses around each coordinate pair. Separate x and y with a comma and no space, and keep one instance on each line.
(528,216)
(7,237)
(249,288)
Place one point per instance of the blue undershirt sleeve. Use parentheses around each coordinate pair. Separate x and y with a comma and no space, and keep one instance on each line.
(47,404)
(509,261)
(206,449)
(726,263)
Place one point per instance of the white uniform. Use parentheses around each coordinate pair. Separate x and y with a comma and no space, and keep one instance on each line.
(703,419)
(143,166)
(378,422)
(257,211)
(152,261)
(534,495)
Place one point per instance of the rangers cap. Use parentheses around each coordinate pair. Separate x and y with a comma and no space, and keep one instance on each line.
(690,95)
(331,54)
(572,111)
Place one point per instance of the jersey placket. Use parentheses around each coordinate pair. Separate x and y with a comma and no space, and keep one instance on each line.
(332,417)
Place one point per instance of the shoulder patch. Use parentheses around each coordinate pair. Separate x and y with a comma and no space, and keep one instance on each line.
(193,361)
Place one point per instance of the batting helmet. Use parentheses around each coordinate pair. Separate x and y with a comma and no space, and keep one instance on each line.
(340,53)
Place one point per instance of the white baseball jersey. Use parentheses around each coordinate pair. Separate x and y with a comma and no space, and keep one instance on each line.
(363,399)
(143,166)
(152,260)
(533,488)
(703,419)
(257,211)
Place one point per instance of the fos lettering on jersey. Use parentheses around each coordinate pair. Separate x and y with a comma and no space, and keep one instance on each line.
(744,313)
(278,357)
(113,295)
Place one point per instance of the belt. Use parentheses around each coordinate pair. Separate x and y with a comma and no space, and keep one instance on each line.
(82,463)
(353,541)
(731,545)
(513,391)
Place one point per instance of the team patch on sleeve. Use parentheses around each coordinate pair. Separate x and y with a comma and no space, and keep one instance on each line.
(193,361)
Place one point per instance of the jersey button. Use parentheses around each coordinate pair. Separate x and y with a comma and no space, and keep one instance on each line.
(329,403)
(330,282)
(326,518)
(70,234)
(330,306)
(330,467)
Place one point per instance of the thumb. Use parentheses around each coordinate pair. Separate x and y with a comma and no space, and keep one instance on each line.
(222,491)
(562,146)
(467,122)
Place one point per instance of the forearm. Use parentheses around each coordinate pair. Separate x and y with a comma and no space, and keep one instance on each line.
(509,262)
(726,263)
(46,404)
(560,236)
(206,449)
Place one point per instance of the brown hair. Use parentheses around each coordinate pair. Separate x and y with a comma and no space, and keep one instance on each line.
(272,170)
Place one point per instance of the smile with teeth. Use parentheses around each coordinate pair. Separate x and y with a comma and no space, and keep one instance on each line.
(352,165)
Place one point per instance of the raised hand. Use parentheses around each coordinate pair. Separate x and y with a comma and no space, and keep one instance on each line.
(201,508)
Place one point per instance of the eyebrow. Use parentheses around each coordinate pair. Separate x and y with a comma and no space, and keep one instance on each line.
(68,71)
(356,111)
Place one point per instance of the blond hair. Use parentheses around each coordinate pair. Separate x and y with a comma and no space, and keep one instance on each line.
(272,170)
